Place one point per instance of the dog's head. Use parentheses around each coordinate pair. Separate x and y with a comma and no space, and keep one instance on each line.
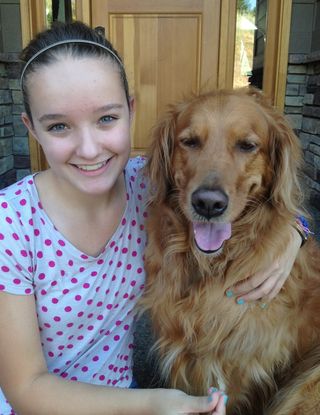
(224,154)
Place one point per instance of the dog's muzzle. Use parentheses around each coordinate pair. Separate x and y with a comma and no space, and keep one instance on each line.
(210,204)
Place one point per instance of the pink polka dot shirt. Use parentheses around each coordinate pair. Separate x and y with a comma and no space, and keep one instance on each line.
(84,304)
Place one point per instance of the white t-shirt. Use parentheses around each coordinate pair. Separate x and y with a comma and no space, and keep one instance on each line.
(84,304)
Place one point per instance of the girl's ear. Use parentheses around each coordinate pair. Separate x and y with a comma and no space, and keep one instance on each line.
(28,123)
(132,108)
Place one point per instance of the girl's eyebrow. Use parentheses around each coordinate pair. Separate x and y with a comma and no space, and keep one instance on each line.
(53,117)
(109,107)
(50,117)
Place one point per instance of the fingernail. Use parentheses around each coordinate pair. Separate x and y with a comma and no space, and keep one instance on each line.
(229,293)
(225,398)
(240,301)
(212,390)
(263,305)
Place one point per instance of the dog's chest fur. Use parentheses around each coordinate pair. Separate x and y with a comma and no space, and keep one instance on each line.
(212,340)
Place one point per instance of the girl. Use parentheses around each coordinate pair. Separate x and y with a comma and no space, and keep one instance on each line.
(72,241)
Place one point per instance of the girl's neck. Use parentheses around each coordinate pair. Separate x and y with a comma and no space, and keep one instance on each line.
(55,191)
(86,221)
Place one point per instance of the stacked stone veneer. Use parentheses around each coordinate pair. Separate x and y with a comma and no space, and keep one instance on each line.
(302,107)
(14,148)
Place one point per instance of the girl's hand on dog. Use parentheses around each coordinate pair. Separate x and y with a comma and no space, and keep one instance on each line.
(174,402)
(265,285)
(220,400)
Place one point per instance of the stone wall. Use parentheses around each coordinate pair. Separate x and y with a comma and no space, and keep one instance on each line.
(302,104)
(310,135)
(14,148)
(302,107)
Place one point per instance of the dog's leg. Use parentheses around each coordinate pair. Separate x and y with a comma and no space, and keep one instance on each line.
(301,394)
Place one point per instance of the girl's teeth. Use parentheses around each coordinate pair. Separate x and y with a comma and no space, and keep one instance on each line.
(92,166)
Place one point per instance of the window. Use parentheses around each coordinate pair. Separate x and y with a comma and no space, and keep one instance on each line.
(250,43)
(60,11)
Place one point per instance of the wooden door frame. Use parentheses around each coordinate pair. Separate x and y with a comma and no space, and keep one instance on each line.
(33,20)
(276,52)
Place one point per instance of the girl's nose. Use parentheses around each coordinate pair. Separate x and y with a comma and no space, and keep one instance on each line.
(88,145)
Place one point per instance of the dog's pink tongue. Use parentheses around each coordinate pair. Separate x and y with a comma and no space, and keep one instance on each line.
(210,236)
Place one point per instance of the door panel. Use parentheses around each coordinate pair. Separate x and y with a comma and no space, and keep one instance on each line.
(170,48)
(156,51)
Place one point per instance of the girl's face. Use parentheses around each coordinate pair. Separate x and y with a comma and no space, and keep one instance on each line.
(82,121)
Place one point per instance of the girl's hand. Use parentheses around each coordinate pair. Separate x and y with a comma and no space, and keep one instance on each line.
(220,398)
(267,283)
(174,402)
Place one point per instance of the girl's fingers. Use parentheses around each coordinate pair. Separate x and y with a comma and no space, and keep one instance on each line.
(261,292)
(221,406)
(256,280)
(242,294)
(218,400)
(202,404)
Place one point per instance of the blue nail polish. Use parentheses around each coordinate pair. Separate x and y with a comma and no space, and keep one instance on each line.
(240,301)
(212,390)
(229,293)
(225,398)
(209,398)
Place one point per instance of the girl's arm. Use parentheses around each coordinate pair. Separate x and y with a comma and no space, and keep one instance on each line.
(31,390)
(265,285)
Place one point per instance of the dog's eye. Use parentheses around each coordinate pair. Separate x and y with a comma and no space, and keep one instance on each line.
(246,146)
(192,142)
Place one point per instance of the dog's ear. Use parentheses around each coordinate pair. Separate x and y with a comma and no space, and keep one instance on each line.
(286,161)
(159,155)
(285,157)
(256,94)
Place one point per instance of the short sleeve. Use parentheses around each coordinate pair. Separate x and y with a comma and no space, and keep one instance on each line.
(16,265)
(138,179)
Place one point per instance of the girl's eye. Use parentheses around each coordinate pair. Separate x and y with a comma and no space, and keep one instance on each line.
(57,127)
(107,119)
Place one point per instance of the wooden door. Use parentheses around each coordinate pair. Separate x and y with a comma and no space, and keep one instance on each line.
(170,49)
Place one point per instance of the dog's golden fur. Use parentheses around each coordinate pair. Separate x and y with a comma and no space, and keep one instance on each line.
(267,359)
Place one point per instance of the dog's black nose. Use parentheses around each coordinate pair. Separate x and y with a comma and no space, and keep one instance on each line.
(209,203)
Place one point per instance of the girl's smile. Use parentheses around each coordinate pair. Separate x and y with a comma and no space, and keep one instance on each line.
(93,169)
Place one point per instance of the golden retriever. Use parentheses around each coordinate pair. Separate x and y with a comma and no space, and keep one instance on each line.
(224,172)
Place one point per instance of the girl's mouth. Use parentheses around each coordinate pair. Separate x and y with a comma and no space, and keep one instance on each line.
(91,167)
